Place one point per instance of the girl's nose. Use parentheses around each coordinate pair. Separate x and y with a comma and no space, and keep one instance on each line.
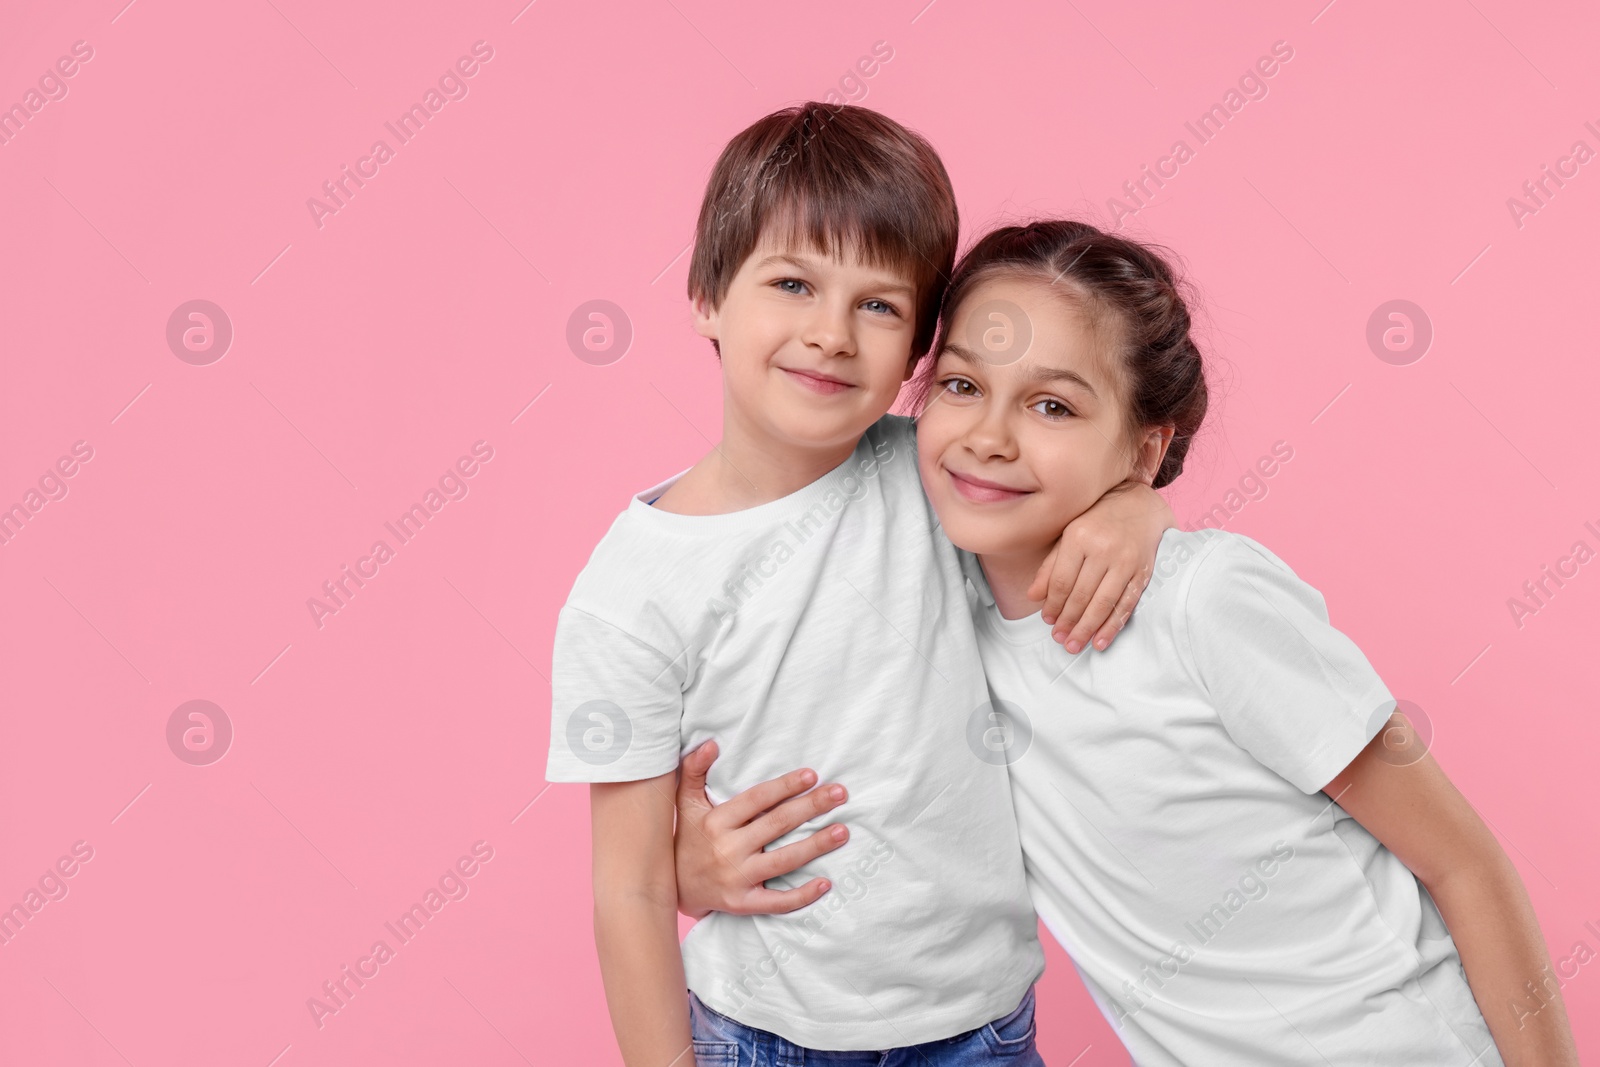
(990,434)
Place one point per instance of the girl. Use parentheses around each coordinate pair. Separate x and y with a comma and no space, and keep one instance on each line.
(1245,848)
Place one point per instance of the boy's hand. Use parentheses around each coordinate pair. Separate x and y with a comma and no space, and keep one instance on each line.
(1095,575)
(720,862)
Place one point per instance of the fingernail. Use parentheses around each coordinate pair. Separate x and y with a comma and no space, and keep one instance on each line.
(1101,644)
(808,777)
(826,886)
(1074,647)
(838,833)
(837,792)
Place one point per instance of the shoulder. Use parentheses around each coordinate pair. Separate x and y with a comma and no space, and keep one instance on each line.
(626,568)
(1202,576)
(1225,563)
(1183,558)
(619,546)
(1237,589)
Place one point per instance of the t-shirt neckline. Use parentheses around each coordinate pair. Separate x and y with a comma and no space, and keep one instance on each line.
(1027,630)
(759,516)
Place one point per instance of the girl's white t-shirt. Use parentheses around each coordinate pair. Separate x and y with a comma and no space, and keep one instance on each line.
(1220,907)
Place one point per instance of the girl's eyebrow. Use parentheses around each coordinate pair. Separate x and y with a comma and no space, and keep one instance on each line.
(1035,373)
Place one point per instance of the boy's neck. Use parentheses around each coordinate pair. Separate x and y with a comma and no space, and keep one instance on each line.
(747,469)
(757,469)
(1009,577)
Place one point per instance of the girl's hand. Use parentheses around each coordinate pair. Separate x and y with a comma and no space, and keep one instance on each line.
(1095,575)
(719,849)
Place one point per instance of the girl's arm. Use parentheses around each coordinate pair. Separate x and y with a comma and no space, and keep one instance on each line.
(636,920)
(1398,792)
(1095,575)
(721,849)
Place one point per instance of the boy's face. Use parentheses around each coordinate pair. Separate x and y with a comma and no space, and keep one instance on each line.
(814,349)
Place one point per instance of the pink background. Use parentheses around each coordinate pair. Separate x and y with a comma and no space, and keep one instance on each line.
(431,311)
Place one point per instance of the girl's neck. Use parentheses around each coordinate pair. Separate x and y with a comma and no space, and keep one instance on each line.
(1009,576)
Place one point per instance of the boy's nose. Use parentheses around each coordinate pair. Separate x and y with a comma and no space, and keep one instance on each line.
(829,329)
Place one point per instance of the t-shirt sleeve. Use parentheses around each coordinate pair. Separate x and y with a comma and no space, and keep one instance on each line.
(616,704)
(1294,692)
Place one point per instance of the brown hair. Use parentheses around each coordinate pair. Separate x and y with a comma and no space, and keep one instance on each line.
(831,176)
(1131,295)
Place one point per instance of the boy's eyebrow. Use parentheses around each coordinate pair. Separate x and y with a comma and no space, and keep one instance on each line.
(881,284)
(1036,372)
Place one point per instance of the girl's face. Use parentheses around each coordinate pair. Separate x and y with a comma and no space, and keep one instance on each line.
(1012,449)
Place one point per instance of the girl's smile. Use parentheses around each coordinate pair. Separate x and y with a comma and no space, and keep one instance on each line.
(1012,451)
(982,490)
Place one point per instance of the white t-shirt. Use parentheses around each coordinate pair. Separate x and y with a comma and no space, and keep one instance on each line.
(1221,909)
(830,629)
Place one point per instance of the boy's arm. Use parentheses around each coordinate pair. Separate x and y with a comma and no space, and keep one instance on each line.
(1401,795)
(1098,570)
(636,920)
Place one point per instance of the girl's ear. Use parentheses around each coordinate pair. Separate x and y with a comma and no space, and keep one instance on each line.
(1152,450)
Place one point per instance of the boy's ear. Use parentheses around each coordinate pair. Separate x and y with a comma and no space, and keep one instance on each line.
(705,317)
(911,367)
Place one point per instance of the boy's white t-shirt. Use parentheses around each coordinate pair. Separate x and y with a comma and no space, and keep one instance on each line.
(1221,908)
(829,629)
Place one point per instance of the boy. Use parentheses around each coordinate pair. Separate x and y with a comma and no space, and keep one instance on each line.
(789,595)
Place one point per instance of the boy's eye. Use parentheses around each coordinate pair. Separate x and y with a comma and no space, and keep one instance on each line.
(1053,409)
(882,307)
(781,283)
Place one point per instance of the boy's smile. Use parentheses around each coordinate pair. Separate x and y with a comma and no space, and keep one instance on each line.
(818,382)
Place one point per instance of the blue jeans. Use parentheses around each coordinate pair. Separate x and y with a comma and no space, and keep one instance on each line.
(723,1042)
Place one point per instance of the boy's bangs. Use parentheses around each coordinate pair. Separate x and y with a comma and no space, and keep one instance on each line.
(853,226)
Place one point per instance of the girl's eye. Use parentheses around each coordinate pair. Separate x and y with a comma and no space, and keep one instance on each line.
(1053,409)
(959,387)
